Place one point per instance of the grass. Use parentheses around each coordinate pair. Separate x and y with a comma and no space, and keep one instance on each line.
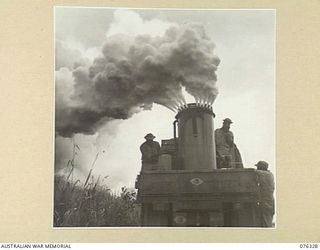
(91,204)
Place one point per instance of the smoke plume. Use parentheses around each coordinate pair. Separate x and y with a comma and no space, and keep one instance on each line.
(132,73)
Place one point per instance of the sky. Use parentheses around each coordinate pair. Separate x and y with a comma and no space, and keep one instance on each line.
(245,43)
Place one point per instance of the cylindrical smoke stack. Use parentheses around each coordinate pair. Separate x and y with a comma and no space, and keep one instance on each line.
(196,138)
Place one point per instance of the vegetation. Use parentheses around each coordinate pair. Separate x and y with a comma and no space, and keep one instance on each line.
(91,204)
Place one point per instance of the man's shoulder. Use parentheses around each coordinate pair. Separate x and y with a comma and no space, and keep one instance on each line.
(150,143)
(143,144)
(265,173)
(221,130)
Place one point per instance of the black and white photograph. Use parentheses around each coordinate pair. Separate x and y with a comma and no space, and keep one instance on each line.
(164,118)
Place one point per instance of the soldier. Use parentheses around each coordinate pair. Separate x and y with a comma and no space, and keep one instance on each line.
(266,204)
(150,149)
(228,155)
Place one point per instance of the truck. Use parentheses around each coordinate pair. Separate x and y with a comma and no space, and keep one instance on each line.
(186,188)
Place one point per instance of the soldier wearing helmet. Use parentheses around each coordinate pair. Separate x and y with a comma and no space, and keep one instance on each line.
(266,203)
(228,155)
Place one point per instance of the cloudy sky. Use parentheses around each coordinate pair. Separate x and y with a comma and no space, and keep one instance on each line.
(244,42)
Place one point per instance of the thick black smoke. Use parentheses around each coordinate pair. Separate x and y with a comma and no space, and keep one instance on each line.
(135,72)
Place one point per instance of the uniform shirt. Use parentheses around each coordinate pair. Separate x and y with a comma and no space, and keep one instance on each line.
(150,151)
(266,181)
(224,141)
(266,204)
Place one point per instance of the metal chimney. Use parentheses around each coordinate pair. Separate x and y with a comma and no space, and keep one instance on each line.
(196,138)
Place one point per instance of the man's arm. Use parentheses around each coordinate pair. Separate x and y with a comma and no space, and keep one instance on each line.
(142,148)
(158,146)
(216,136)
(145,151)
(229,139)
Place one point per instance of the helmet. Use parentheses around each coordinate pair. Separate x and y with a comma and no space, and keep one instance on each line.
(149,136)
(227,120)
(262,165)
